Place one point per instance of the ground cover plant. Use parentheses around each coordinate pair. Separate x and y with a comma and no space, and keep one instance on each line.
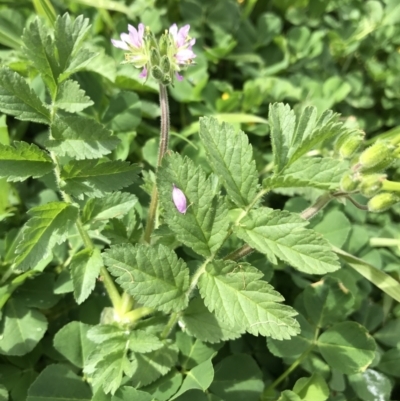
(246,247)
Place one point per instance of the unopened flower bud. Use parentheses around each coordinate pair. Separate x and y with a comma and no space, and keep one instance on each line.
(350,146)
(377,153)
(154,57)
(164,43)
(348,183)
(383,165)
(165,64)
(371,184)
(157,73)
(382,202)
(179,199)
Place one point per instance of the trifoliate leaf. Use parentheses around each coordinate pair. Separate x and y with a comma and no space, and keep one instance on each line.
(69,38)
(58,382)
(347,347)
(280,234)
(322,173)
(200,323)
(48,225)
(85,268)
(153,275)
(21,160)
(112,206)
(38,47)
(152,365)
(71,341)
(80,138)
(235,293)
(19,100)
(204,226)
(282,125)
(94,178)
(71,98)
(22,328)
(231,157)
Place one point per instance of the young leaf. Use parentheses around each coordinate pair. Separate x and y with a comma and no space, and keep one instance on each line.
(21,160)
(282,125)
(48,225)
(19,100)
(112,206)
(69,38)
(142,342)
(38,48)
(95,178)
(200,323)
(153,275)
(204,226)
(150,366)
(282,234)
(22,328)
(85,268)
(71,341)
(347,347)
(322,173)
(71,98)
(231,157)
(58,382)
(80,138)
(235,293)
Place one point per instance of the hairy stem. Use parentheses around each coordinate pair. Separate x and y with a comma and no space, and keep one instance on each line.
(162,148)
(314,209)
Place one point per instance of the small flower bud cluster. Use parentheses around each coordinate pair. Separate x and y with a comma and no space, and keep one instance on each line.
(347,145)
(163,60)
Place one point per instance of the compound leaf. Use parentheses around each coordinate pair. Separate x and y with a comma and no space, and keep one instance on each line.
(48,225)
(19,100)
(231,157)
(21,160)
(235,293)
(204,226)
(282,234)
(80,138)
(153,275)
(71,98)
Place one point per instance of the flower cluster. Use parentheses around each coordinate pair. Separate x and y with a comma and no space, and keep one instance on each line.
(163,60)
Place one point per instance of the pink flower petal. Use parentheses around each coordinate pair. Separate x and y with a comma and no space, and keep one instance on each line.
(143,74)
(179,199)
(178,77)
(119,44)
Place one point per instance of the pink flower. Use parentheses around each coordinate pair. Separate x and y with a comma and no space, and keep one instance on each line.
(134,44)
(179,199)
(183,52)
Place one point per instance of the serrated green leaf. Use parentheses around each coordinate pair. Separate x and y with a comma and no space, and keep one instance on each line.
(112,206)
(127,393)
(71,341)
(294,347)
(282,125)
(19,100)
(57,382)
(48,225)
(80,138)
(21,160)
(204,226)
(150,366)
(102,333)
(200,323)
(235,293)
(231,157)
(71,98)
(21,329)
(38,47)
(95,178)
(153,275)
(69,38)
(347,347)
(305,125)
(322,173)
(282,234)
(142,342)
(327,301)
(200,378)
(85,268)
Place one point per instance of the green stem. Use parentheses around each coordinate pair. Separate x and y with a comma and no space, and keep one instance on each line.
(391,186)
(320,203)
(170,325)
(386,242)
(162,149)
